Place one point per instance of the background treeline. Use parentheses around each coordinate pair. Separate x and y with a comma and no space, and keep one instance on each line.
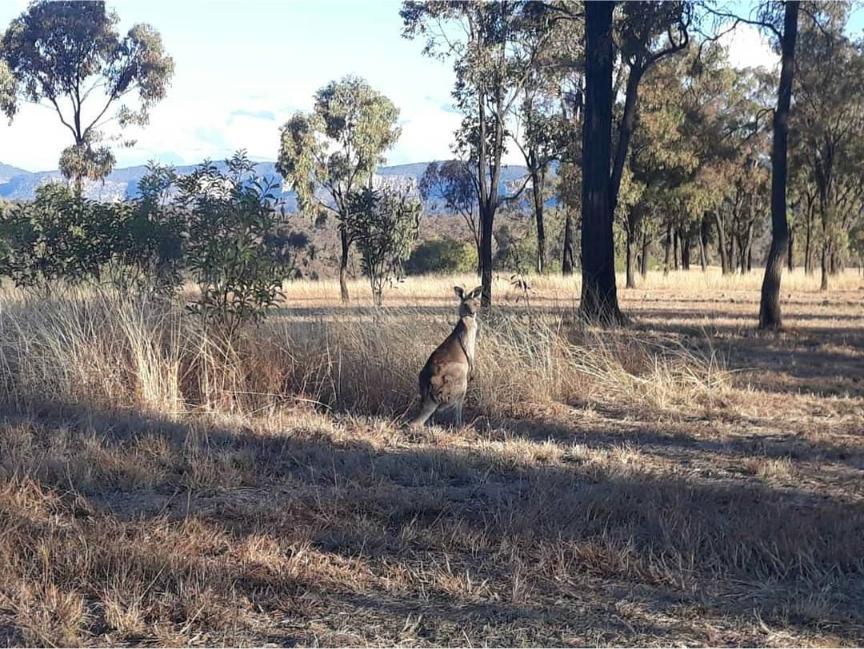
(684,177)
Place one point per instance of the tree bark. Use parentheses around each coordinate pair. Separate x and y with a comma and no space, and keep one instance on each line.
(487,217)
(675,248)
(599,295)
(343,263)
(747,250)
(790,259)
(721,244)
(808,240)
(631,262)
(667,248)
(567,255)
(537,182)
(769,306)
(633,220)
(730,254)
(823,284)
(644,258)
(685,252)
(628,122)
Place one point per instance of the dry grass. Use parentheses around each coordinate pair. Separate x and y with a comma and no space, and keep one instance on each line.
(680,481)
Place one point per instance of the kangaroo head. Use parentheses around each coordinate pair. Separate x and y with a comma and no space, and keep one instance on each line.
(469,303)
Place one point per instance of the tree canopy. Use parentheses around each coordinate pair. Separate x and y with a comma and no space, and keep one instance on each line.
(327,154)
(70,56)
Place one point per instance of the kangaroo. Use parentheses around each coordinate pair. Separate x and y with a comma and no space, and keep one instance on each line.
(444,378)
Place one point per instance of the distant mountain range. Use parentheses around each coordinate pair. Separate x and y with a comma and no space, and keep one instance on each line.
(19,184)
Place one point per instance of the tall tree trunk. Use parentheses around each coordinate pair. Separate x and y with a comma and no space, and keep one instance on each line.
(703,244)
(631,262)
(808,239)
(625,131)
(721,244)
(790,258)
(685,252)
(343,263)
(742,254)
(599,295)
(537,182)
(675,248)
(567,255)
(487,216)
(667,248)
(769,305)
(633,221)
(488,176)
(730,254)
(644,257)
(823,284)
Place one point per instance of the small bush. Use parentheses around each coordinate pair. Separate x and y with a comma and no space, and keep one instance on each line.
(383,223)
(150,242)
(59,235)
(442,256)
(235,251)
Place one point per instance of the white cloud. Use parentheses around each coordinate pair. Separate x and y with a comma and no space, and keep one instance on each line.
(747,47)
(427,133)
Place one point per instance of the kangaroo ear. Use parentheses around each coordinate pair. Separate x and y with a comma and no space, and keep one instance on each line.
(459,291)
(477,292)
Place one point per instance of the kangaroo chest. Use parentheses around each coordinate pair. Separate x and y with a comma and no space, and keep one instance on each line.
(468,339)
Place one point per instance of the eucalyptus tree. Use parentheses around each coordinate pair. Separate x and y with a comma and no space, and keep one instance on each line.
(549,106)
(599,296)
(672,143)
(70,56)
(541,141)
(552,111)
(8,87)
(646,33)
(568,192)
(492,60)
(770,316)
(829,117)
(331,152)
(451,184)
(384,222)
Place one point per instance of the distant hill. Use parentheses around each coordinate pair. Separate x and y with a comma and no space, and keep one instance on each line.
(19,184)
(7,172)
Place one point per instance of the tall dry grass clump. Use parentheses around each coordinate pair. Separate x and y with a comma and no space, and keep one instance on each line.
(105,350)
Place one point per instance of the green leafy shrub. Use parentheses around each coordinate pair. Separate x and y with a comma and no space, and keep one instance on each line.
(444,255)
(149,242)
(235,251)
(383,224)
(59,235)
(515,252)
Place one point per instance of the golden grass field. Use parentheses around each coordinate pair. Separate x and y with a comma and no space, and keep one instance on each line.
(682,480)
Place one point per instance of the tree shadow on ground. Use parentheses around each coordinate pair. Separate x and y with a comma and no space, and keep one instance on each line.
(585,534)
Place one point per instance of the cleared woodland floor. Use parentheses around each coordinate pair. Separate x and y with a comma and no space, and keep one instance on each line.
(737,519)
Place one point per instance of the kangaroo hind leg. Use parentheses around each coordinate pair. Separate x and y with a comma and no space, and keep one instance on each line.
(427,409)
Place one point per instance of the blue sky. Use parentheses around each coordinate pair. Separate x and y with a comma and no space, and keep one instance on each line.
(242,67)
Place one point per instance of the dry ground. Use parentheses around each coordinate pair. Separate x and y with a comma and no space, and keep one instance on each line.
(679,481)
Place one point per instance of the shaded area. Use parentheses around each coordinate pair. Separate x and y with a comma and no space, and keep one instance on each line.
(471,543)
